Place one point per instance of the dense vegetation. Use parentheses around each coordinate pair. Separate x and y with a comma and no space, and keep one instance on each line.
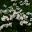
(16,26)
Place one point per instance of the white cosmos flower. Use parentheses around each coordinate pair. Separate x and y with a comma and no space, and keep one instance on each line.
(18,17)
(28,13)
(30,19)
(21,4)
(24,16)
(15,12)
(8,19)
(5,25)
(14,4)
(10,24)
(21,18)
(5,11)
(21,23)
(11,17)
(29,24)
(27,4)
(25,22)
(17,8)
(26,1)
(20,10)
(4,18)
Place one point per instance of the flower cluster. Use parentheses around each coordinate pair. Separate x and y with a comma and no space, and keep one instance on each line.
(15,13)
(5,25)
(24,3)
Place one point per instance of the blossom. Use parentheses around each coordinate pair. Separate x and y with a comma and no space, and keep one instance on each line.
(21,23)
(26,1)
(30,19)
(25,22)
(18,17)
(11,17)
(29,24)
(21,18)
(27,4)
(4,18)
(14,4)
(5,25)
(17,8)
(28,13)
(5,11)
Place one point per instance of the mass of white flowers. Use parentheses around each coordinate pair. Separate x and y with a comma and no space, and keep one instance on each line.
(3,18)
(25,2)
(5,25)
(18,14)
